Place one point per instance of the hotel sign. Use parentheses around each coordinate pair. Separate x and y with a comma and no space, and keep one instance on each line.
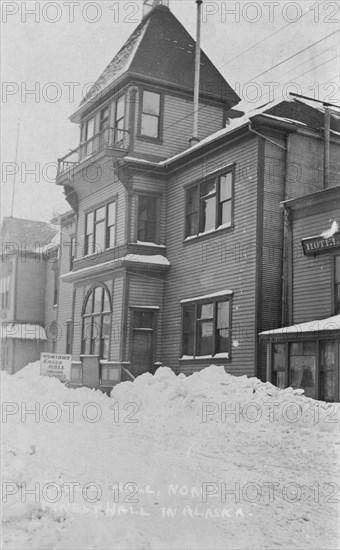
(316,245)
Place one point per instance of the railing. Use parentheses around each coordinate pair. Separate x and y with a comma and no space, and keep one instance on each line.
(108,137)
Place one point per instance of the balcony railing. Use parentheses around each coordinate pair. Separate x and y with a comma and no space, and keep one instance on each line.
(108,137)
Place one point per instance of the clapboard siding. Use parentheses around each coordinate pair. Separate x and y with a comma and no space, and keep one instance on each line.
(312,275)
(305,165)
(65,298)
(30,291)
(25,351)
(177,126)
(224,261)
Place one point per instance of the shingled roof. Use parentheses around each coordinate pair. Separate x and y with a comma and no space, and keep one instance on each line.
(28,233)
(161,49)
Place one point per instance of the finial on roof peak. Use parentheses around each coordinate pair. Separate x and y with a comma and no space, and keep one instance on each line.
(150,4)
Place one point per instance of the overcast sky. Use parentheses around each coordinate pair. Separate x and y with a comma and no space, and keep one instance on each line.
(72,42)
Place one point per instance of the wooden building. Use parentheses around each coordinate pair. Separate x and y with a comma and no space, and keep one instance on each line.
(29,282)
(178,248)
(305,354)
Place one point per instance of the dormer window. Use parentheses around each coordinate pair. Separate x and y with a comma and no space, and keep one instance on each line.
(150,119)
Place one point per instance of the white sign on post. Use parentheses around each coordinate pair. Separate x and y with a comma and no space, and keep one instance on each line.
(55,365)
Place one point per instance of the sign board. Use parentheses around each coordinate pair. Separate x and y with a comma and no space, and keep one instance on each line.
(316,245)
(55,365)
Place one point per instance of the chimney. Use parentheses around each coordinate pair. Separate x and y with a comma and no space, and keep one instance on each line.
(194,138)
(148,5)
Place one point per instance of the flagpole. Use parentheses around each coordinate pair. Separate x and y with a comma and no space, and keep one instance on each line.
(15,168)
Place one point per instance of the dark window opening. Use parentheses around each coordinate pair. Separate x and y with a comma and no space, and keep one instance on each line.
(147,219)
(150,114)
(96,324)
(100,229)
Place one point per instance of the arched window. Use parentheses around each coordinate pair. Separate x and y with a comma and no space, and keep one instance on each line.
(96,326)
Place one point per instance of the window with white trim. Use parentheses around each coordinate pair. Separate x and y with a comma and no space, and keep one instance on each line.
(150,114)
(4,291)
(206,328)
(209,205)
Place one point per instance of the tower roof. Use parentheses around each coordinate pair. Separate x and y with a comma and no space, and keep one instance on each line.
(160,49)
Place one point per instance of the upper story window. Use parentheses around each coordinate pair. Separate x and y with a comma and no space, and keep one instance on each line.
(150,122)
(206,328)
(56,286)
(119,120)
(209,205)
(88,132)
(104,119)
(100,229)
(337,284)
(72,251)
(4,291)
(147,219)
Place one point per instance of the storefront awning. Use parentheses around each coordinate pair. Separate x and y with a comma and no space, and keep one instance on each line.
(328,324)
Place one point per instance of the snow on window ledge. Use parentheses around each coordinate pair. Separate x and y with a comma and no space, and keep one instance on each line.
(209,232)
(224,355)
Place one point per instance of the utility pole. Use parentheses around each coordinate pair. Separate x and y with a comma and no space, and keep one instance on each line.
(194,138)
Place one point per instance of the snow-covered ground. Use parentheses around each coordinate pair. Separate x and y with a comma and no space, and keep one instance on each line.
(209,461)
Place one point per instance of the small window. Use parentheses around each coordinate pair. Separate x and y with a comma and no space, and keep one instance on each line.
(209,205)
(69,338)
(147,219)
(206,329)
(72,251)
(56,287)
(337,284)
(150,114)
(100,229)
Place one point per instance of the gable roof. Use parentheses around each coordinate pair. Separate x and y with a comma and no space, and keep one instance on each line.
(161,49)
(30,233)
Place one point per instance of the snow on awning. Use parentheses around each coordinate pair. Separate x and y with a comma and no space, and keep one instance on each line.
(156,259)
(22,331)
(207,296)
(329,324)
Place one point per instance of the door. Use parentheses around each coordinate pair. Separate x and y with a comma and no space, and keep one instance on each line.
(141,357)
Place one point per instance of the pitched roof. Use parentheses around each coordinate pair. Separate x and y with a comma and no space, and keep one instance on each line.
(160,48)
(31,233)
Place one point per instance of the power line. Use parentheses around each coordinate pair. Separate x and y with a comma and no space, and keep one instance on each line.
(294,55)
(264,39)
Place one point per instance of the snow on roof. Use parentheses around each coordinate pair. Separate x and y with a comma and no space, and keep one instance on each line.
(22,331)
(156,259)
(331,323)
(205,296)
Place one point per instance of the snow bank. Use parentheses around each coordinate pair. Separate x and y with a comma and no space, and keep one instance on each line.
(160,440)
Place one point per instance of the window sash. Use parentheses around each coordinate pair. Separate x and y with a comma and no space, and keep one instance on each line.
(209,204)
(203,333)
(147,219)
(96,323)
(150,114)
(100,228)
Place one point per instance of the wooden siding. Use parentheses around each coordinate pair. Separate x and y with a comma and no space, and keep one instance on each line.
(65,297)
(177,126)
(50,314)
(312,275)
(224,260)
(305,165)
(30,291)
(25,352)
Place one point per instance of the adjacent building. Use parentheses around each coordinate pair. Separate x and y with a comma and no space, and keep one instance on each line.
(29,282)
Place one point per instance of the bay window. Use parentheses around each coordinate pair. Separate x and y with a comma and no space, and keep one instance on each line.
(100,227)
(209,204)
(96,322)
(206,328)
(147,219)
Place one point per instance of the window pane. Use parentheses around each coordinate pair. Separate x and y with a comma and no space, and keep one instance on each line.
(225,212)
(106,326)
(192,211)
(120,108)
(208,188)
(89,223)
(111,214)
(100,236)
(223,315)
(279,357)
(111,236)
(208,214)
(89,129)
(151,103)
(205,311)
(88,308)
(100,214)
(149,126)
(205,338)
(222,341)
(98,293)
(225,187)
(302,367)
(105,348)
(143,319)
(147,208)
(280,379)
(106,305)
(327,368)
